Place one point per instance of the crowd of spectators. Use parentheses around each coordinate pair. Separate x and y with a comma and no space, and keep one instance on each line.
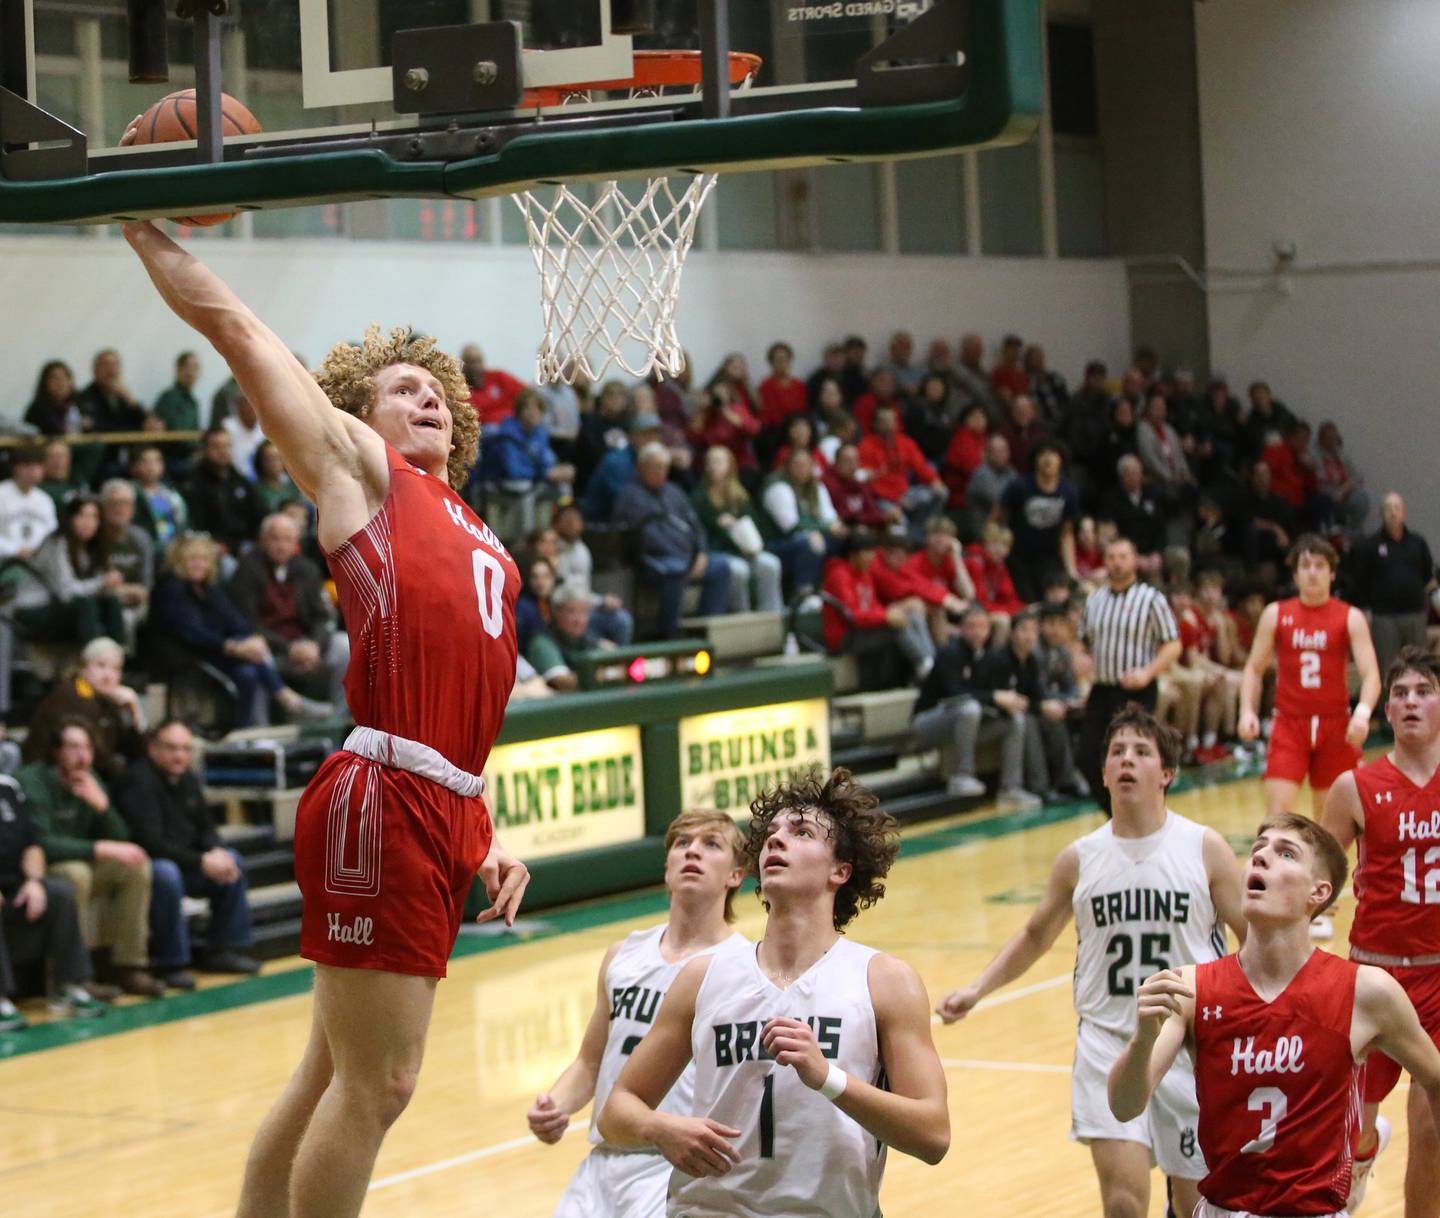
(927,506)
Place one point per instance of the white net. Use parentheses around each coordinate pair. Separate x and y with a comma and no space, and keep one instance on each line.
(610,276)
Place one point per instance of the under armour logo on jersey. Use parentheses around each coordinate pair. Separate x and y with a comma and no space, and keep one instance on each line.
(1211,1013)
(1286,620)
(1384,797)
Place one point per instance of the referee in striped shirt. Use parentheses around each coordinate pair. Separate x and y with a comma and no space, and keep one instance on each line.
(1133,638)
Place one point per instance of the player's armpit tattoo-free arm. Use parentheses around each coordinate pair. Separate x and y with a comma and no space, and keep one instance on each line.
(1226,887)
(576,1085)
(1398,1032)
(912,1115)
(1362,648)
(628,1118)
(1262,651)
(1165,1007)
(1041,929)
(295,414)
(1343,815)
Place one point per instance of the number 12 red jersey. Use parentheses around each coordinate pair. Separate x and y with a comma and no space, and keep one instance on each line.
(1279,1087)
(1312,649)
(1397,882)
(428,594)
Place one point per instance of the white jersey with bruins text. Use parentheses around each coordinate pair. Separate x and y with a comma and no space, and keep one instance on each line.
(800,1156)
(636,982)
(1142,904)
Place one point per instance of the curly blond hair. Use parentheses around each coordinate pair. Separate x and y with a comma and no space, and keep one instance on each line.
(348,379)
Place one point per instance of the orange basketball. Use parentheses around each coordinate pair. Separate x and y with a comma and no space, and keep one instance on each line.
(173,117)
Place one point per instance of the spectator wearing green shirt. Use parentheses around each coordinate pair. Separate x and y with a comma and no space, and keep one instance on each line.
(177,406)
(554,652)
(87,843)
(56,478)
(273,486)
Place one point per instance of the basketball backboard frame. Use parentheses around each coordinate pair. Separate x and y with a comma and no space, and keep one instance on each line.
(992,96)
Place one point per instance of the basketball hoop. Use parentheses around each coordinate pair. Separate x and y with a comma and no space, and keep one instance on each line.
(610,268)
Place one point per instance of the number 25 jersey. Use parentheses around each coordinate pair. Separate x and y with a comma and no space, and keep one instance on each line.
(799,1154)
(1142,904)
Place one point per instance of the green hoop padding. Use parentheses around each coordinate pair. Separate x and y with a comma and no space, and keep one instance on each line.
(1002,106)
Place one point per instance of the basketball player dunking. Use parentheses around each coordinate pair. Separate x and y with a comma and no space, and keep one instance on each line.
(1279,1034)
(1148,890)
(704,865)
(391,830)
(1311,636)
(812,1054)
(1390,805)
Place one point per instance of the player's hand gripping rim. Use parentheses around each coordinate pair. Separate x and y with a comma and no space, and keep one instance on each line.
(1160,997)
(791,1043)
(697,1146)
(506,879)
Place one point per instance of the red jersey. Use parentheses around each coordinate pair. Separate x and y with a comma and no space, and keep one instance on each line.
(428,594)
(1279,1087)
(855,589)
(1312,649)
(1197,632)
(1397,881)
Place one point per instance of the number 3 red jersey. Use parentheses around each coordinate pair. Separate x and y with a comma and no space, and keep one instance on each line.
(1312,649)
(428,594)
(1278,1086)
(1397,881)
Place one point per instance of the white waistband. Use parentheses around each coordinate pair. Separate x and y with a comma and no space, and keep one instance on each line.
(417,758)
(1208,1209)
(1361,956)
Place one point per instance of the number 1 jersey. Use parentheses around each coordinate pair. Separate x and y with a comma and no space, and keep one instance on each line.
(428,595)
(1142,904)
(799,1154)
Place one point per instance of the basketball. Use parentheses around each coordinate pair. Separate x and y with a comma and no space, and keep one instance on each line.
(173,117)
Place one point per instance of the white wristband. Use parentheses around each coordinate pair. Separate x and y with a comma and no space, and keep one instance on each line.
(834,1083)
(1363,708)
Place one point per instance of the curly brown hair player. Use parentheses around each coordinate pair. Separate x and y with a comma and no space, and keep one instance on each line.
(391,830)
(796,1037)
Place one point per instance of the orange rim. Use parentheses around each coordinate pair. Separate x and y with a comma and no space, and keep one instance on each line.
(653,70)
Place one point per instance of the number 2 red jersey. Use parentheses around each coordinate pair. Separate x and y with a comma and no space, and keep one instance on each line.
(1312,649)
(428,594)
(1397,881)
(1279,1087)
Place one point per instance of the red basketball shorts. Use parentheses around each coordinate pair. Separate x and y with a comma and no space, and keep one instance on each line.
(1423,986)
(385,860)
(1312,746)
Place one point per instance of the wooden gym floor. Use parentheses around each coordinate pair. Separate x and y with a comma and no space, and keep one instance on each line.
(156,1119)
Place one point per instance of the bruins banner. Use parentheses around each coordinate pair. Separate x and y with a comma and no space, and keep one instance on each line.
(728,758)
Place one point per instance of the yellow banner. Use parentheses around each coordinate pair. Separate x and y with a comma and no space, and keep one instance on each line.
(729,758)
(567,793)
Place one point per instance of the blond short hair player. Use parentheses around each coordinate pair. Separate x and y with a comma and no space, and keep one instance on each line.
(1279,1035)
(704,865)
(812,1054)
(1390,806)
(391,830)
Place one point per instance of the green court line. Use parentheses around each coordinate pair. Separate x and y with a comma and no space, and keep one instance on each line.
(651,902)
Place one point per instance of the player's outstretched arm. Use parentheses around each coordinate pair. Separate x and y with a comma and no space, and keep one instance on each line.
(1165,1007)
(1380,1000)
(1343,815)
(1227,888)
(911,1115)
(1027,946)
(316,440)
(1252,679)
(1362,650)
(698,1146)
(550,1114)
